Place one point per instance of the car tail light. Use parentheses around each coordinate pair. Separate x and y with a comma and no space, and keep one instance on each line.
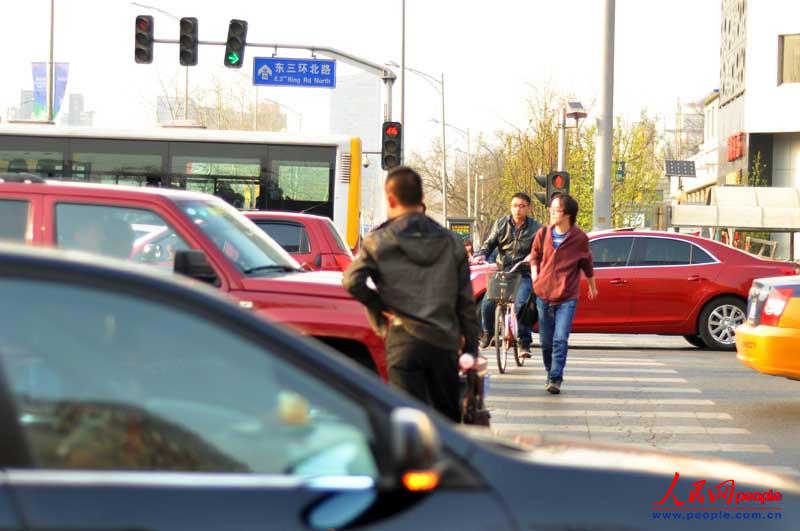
(774,306)
(335,262)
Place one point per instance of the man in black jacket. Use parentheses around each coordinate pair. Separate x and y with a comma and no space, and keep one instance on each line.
(422,302)
(512,236)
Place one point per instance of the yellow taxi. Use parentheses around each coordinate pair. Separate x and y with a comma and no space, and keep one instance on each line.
(769,341)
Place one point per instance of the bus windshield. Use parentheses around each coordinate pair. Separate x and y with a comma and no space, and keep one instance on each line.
(242,242)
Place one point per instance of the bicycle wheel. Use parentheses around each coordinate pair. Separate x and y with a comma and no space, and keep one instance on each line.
(511,319)
(499,337)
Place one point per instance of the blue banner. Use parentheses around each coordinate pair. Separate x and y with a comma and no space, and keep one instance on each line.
(293,72)
(40,89)
(62,72)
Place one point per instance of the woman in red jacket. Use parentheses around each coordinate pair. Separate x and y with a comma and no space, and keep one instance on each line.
(560,252)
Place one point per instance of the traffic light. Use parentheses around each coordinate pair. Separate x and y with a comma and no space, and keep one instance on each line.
(542,196)
(557,184)
(144,40)
(391,145)
(188,41)
(234,47)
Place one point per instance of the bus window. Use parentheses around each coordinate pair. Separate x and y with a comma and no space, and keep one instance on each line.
(44,156)
(301,180)
(231,172)
(116,161)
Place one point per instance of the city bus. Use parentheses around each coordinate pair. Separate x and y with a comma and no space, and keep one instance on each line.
(250,169)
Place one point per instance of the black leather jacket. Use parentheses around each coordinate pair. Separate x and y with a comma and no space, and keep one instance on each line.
(421,274)
(511,247)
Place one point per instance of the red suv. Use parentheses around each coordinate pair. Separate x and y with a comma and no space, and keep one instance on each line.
(311,240)
(154,225)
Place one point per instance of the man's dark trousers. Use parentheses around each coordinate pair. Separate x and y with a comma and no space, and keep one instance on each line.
(423,370)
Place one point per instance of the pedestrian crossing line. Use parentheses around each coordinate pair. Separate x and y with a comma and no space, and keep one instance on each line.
(634,379)
(632,428)
(511,386)
(717,447)
(626,370)
(612,358)
(612,363)
(781,469)
(550,413)
(491,399)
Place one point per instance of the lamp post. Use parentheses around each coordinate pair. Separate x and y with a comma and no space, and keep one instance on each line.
(573,110)
(440,89)
(465,133)
(186,81)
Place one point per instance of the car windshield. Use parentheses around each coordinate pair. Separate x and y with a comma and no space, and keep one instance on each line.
(242,242)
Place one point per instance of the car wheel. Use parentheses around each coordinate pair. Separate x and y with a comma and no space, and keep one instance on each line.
(696,341)
(718,322)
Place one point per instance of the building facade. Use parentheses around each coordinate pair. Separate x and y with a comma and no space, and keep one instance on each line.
(759,120)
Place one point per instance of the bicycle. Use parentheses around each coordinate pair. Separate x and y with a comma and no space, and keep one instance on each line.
(502,287)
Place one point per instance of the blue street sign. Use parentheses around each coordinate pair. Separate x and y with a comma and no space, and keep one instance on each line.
(293,72)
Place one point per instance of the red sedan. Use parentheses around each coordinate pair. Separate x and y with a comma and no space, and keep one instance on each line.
(311,240)
(667,283)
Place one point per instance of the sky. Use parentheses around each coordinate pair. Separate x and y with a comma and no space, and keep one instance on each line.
(493,55)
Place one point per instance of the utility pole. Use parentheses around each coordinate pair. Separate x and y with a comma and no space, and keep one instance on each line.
(444,162)
(562,143)
(601,215)
(51,77)
(403,73)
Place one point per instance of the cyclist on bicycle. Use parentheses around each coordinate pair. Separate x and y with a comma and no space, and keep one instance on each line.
(512,236)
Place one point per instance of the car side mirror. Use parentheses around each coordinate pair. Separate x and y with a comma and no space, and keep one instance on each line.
(194,264)
(416,450)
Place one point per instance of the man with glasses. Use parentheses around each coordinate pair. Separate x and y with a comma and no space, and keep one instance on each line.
(556,281)
(512,236)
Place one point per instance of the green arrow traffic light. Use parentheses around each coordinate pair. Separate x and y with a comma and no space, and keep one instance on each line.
(233,58)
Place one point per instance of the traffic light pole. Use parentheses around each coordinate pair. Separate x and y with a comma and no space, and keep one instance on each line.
(387,76)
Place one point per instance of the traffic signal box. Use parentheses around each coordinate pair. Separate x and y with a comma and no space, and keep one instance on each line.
(391,145)
(234,47)
(188,41)
(143,53)
(556,183)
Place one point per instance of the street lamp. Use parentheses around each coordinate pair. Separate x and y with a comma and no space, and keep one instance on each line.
(440,89)
(469,151)
(186,83)
(574,110)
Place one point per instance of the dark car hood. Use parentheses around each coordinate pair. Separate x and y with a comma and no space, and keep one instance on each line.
(553,451)
(316,283)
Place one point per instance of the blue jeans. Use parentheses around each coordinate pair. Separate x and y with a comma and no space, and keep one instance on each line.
(488,308)
(555,322)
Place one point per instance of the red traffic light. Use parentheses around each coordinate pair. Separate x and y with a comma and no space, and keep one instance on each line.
(558,181)
(392,130)
(143,24)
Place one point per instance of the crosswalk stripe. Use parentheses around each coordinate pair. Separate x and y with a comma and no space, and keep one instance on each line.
(607,358)
(610,414)
(491,399)
(634,428)
(717,447)
(510,386)
(611,370)
(780,469)
(612,363)
(642,379)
